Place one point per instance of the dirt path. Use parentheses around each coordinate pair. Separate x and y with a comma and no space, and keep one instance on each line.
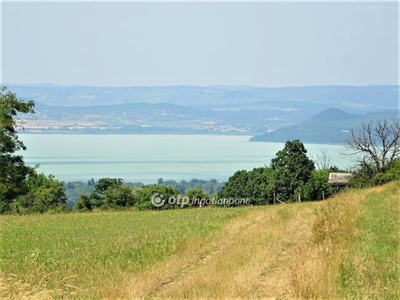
(248,258)
(274,280)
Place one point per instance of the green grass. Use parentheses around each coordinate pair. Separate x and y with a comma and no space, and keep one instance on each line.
(350,248)
(80,252)
(373,267)
(354,249)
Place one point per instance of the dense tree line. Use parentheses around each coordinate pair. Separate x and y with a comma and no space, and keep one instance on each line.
(112,193)
(74,189)
(210,187)
(291,174)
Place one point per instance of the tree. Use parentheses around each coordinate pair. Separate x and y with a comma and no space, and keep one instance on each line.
(119,196)
(322,160)
(91,182)
(108,193)
(315,186)
(197,197)
(104,183)
(101,187)
(257,185)
(292,169)
(84,203)
(237,186)
(145,195)
(13,170)
(261,186)
(366,175)
(74,189)
(44,193)
(378,143)
(210,187)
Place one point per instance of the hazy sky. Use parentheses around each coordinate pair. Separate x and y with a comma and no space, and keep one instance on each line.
(193,43)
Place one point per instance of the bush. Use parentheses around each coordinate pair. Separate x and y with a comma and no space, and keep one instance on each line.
(84,203)
(161,193)
(367,175)
(196,197)
(317,184)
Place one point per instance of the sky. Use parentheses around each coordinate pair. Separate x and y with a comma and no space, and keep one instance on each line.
(270,44)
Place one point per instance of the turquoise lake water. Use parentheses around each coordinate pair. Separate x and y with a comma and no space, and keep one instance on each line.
(145,158)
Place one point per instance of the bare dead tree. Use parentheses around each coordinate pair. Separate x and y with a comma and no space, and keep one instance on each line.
(322,159)
(377,142)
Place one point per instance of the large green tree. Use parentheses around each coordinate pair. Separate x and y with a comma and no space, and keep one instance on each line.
(261,186)
(292,169)
(119,196)
(108,193)
(13,170)
(44,193)
(237,186)
(98,195)
(317,187)
(257,185)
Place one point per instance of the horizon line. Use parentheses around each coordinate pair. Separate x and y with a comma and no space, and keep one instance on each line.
(191,85)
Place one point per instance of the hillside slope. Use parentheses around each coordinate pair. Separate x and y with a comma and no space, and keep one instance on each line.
(329,126)
(345,247)
(353,250)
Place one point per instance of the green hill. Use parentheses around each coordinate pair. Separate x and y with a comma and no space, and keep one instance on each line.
(329,126)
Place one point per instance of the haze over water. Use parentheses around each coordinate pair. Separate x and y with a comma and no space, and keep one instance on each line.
(145,158)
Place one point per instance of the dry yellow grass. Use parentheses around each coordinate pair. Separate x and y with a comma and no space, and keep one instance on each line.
(13,288)
(246,259)
(346,247)
(348,254)
(315,266)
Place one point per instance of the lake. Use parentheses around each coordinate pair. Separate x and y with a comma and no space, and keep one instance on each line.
(145,158)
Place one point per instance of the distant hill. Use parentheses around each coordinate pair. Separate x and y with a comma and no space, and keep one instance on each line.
(307,100)
(193,109)
(146,118)
(329,126)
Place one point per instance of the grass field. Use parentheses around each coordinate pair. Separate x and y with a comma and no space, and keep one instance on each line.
(354,249)
(346,247)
